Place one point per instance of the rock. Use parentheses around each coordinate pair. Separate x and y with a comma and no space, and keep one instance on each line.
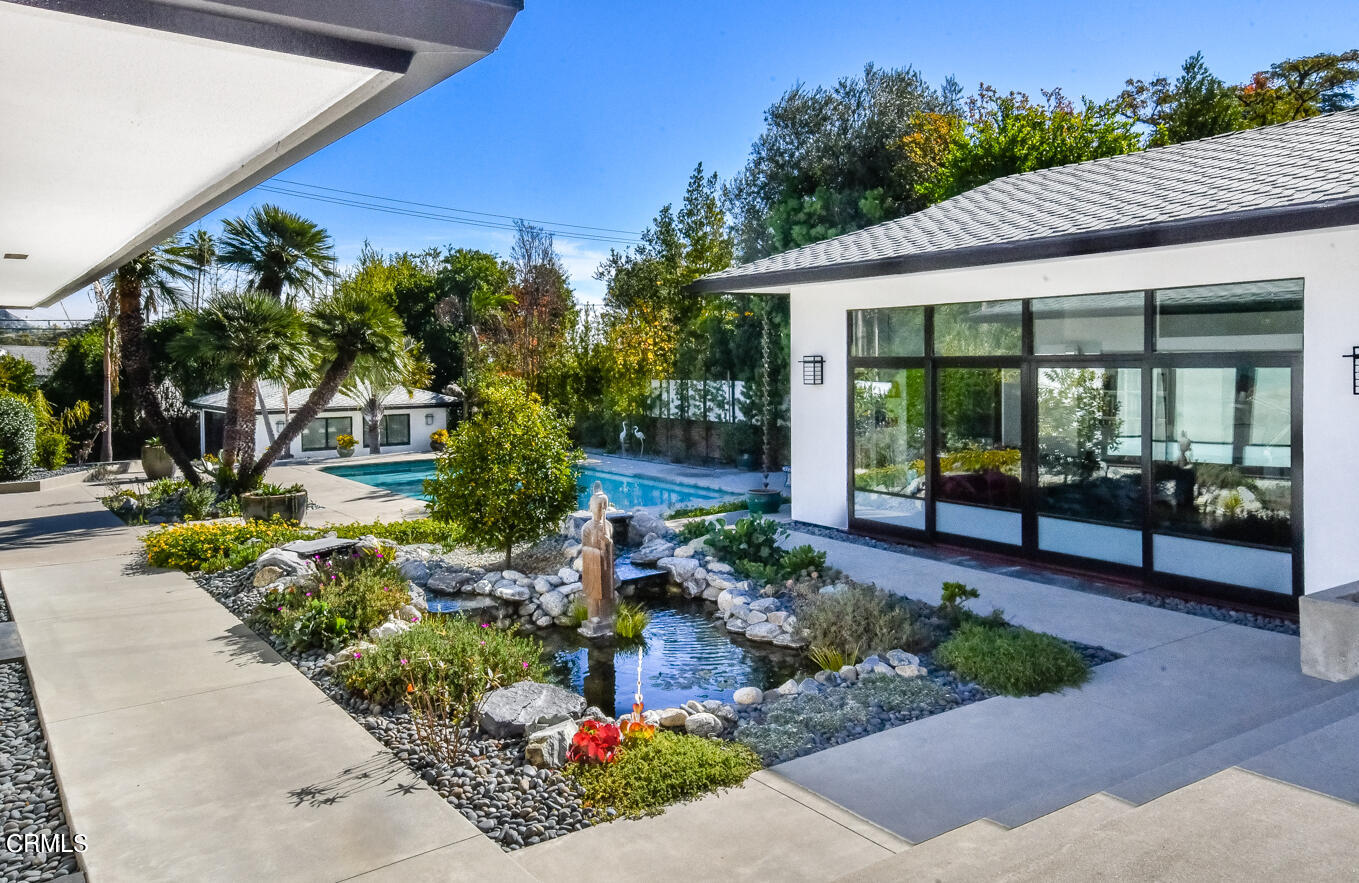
(827,678)
(679,569)
(787,688)
(323,546)
(764,605)
(790,623)
(755,616)
(719,567)
(512,575)
(763,631)
(554,603)
(736,625)
(542,620)
(389,629)
(578,565)
(910,671)
(748,696)
(568,575)
(505,712)
(684,552)
(703,724)
(414,570)
(448,581)
(289,562)
(542,586)
(266,575)
(482,587)
(547,747)
(790,640)
(729,599)
(570,589)
(901,657)
(512,592)
(849,673)
(644,524)
(809,687)
(776,617)
(674,718)
(693,706)
(711,593)
(652,551)
(740,611)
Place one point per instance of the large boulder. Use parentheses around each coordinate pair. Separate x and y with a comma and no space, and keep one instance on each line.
(547,747)
(680,569)
(703,724)
(554,603)
(507,711)
(763,631)
(508,591)
(323,546)
(449,580)
(748,696)
(288,562)
(653,550)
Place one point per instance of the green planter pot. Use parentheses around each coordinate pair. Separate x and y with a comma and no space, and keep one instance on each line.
(746,462)
(345,453)
(258,507)
(762,502)
(156,462)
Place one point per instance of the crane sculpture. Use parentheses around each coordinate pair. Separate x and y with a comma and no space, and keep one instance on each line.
(641,438)
(623,439)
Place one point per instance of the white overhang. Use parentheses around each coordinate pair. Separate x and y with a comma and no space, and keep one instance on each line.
(123,121)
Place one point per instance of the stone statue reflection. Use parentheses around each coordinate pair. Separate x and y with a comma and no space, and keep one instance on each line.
(597,569)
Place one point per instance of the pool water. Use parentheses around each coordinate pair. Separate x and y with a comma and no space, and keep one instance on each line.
(686,655)
(624,491)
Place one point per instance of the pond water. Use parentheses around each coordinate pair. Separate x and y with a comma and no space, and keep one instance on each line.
(625,491)
(686,655)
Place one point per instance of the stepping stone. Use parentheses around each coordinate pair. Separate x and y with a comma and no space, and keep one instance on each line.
(465,605)
(11,648)
(323,546)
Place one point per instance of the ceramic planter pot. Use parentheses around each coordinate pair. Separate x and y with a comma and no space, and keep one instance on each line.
(763,502)
(436,446)
(156,462)
(345,453)
(746,462)
(259,507)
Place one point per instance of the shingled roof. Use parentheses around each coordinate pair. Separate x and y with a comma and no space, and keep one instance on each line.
(273,398)
(1293,176)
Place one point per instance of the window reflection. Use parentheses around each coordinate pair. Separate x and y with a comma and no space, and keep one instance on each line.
(979,436)
(988,328)
(1090,443)
(889,445)
(1223,453)
(899,331)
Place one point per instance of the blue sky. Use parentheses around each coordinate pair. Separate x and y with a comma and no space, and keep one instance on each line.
(595,113)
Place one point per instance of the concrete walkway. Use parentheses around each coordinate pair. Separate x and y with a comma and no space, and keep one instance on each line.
(1193,697)
(187,749)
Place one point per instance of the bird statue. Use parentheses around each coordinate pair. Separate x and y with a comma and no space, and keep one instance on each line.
(623,439)
(641,438)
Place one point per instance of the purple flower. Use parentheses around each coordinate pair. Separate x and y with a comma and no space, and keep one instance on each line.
(358,655)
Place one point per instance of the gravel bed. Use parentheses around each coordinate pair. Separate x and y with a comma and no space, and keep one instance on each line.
(4,607)
(1194,608)
(493,786)
(1221,614)
(28,791)
(36,474)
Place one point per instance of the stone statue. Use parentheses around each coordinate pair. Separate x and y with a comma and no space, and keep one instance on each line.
(596,540)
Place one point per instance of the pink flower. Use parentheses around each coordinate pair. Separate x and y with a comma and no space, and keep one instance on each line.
(485,625)
(525,665)
(483,643)
(403,662)
(358,655)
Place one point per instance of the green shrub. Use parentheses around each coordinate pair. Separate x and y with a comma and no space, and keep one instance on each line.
(508,474)
(829,658)
(51,450)
(653,773)
(317,625)
(199,502)
(801,560)
(1012,660)
(860,620)
(384,675)
(351,597)
(630,620)
(18,437)
(202,546)
(702,511)
(892,693)
(695,529)
(752,540)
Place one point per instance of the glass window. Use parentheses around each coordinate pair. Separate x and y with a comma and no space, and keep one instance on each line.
(395,429)
(1222,452)
(1248,316)
(892,332)
(988,328)
(979,436)
(1090,443)
(320,434)
(889,446)
(1089,324)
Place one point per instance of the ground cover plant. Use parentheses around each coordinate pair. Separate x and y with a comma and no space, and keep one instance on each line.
(751,545)
(858,619)
(646,775)
(1012,660)
(704,511)
(226,544)
(399,664)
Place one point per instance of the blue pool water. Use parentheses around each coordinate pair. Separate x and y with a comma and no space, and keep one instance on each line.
(624,491)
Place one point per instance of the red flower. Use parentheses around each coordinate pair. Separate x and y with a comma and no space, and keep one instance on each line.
(594,742)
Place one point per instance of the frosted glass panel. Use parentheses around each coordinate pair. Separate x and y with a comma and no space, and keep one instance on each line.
(1239,565)
(984,524)
(1100,541)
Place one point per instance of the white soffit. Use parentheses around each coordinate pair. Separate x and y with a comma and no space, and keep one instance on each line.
(107,131)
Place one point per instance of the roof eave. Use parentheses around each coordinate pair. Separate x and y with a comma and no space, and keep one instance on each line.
(1233,225)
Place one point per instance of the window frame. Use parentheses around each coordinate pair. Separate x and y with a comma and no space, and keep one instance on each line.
(329,446)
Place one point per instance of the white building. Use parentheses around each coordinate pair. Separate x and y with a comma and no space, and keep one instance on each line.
(408,420)
(1099,365)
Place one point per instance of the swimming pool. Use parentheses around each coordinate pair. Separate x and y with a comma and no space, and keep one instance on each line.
(624,491)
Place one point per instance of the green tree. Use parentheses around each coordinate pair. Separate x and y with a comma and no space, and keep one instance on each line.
(355,322)
(17,376)
(1196,105)
(202,251)
(830,160)
(1007,134)
(140,286)
(239,339)
(471,295)
(534,325)
(1300,87)
(508,474)
(373,380)
(18,437)
(283,253)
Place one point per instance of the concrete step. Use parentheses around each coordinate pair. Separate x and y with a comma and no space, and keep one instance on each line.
(1237,750)
(982,849)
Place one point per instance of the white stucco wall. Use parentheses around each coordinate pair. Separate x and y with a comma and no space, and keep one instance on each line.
(420,432)
(1327,261)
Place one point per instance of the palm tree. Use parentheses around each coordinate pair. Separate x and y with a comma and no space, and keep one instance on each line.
(373,380)
(106,316)
(245,337)
(282,252)
(355,322)
(203,252)
(143,285)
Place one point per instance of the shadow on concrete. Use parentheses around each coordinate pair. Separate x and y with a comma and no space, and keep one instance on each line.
(59,529)
(245,647)
(381,770)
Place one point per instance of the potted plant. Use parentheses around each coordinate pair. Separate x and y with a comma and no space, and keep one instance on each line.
(763,500)
(438,439)
(269,500)
(344,445)
(156,461)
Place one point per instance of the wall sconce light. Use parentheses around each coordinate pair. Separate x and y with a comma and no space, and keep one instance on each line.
(813,370)
(429,419)
(278,426)
(1353,356)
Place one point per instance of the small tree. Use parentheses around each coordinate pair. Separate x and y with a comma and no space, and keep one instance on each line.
(507,475)
(18,437)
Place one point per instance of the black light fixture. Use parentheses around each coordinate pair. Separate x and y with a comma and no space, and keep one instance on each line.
(813,370)
(15,256)
(1353,356)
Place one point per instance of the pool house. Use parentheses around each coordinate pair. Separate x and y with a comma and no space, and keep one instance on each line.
(1099,366)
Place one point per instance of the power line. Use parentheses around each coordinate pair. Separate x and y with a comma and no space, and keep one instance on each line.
(434,211)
